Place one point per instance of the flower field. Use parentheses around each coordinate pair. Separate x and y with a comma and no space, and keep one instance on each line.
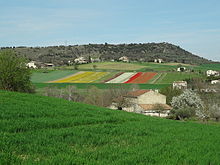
(122,77)
(141,77)
(133,78)
(83,77)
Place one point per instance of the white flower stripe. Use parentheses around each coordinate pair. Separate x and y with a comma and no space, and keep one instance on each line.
(122,78)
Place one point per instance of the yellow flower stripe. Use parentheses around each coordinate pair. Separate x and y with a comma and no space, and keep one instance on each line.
(85,77)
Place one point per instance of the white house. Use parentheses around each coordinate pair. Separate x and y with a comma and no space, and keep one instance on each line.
(215,81)
(124,59)
(32,64)
(95,60)
(181,69)
(180,84)
(212,73)
(158,60)
(50,65)
(146,102)
(81,60)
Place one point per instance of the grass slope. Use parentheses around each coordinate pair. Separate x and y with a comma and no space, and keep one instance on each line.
(43,130)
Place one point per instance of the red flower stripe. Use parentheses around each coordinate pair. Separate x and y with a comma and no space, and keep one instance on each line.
(144,78)
(134,77)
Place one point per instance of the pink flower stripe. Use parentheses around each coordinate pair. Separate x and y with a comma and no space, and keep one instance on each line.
(118,74)
(133,77)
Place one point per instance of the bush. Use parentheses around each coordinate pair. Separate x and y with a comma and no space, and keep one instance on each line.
(183,113)
(187,105)
(14,75)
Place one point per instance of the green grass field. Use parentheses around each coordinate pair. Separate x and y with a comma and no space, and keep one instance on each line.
(42,76)
(156,67)
(112,66)
(170,77)
(205,67)
(43,130)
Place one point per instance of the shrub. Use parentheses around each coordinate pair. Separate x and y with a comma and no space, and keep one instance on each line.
(187,105)
(14,75)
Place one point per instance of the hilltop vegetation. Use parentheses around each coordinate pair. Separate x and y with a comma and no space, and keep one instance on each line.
(43,130)
(146,52)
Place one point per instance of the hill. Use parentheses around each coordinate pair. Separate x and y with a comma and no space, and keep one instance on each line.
(43,130)
(146,52)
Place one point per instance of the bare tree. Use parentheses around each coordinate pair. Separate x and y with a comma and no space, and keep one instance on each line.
(120,97)
(159,108)
(94,96)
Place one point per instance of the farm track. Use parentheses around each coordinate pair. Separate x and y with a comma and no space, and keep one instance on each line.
(155,78)
(162,75)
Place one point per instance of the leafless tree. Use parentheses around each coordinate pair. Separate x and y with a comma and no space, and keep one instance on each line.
(159,108)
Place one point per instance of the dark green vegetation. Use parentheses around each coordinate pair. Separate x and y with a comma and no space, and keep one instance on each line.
(60,55)
(14,75)
(43,130)
(100,85)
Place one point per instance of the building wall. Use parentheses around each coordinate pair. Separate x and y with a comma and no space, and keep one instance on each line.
(151,98)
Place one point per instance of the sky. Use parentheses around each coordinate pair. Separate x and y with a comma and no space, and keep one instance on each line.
(193,25)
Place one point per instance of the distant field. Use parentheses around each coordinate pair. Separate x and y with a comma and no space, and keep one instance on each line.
(156,67)
(44,130)
(205,67)
(40,76)
(170,77)
(112,66)
(176,64)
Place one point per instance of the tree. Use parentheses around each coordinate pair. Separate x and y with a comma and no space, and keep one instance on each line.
(14,74)
(94,67)
(159,108)
(118,97)
(170,92)
(94,96)
(188,101)
(215,111)
(76,66)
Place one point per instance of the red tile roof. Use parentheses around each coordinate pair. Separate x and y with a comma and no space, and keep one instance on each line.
(138,92)
(152,106)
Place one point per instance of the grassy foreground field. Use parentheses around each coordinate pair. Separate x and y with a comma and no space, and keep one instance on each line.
(43,130)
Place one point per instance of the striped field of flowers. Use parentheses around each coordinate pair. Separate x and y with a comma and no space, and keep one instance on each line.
(83,77)
(122,78)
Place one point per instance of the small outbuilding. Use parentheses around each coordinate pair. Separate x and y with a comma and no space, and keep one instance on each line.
(180,85)
(212,73)
(32,64)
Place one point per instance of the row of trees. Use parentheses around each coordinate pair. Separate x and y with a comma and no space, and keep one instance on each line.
(92,95)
